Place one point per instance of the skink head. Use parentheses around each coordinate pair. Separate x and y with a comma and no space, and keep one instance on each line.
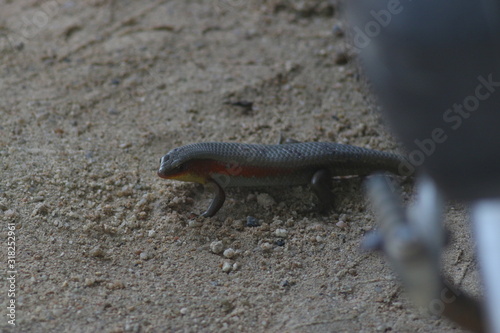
(174,165)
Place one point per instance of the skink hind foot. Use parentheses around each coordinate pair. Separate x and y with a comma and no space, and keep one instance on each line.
(322,187)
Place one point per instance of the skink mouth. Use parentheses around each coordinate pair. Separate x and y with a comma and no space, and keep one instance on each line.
(164,171)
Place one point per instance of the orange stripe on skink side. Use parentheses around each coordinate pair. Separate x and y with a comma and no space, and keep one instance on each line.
(207,167)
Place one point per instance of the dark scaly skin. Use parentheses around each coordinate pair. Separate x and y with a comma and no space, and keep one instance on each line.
(235,164)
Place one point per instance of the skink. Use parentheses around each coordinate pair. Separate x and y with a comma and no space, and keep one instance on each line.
(235,164)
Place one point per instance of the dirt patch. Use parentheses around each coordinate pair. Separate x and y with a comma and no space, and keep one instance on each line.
(94,93)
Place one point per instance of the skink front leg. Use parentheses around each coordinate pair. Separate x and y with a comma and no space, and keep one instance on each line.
(321,185)
(217,201)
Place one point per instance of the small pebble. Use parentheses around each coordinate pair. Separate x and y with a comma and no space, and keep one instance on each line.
(238,224)
(283,233)
(194,224)
(266,246)
(145,255)
(97,252)
(236,266)
(217,247)
(9,213)
(265,200)
(252,222)
(183,311)
(227,267)
(125,145)
(341,224)
(89,282)
(142,202)
(141,215)
(114,285)
(40,209)
(277,222)
(38,198)
(264,227)
(251,197)
(280,242)
(229,253)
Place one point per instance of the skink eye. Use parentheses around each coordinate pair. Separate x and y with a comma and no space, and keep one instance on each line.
(180,168)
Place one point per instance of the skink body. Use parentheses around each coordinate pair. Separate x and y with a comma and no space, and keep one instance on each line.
(235,164)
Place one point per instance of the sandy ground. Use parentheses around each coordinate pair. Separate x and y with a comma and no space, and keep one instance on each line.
(93,93)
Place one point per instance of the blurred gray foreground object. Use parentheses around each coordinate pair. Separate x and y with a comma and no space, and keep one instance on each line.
(435,66)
